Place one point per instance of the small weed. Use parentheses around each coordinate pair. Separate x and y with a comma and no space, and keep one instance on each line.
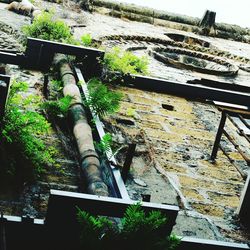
(102,100)
(86,40)
(126,62)
(131,112)
(58,108)
(58,85)
(104,146)
(46,27)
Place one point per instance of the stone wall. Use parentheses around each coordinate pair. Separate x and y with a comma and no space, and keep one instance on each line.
(178,134)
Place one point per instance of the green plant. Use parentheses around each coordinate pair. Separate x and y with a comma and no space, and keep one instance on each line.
(46,27)
(26,154)
(104,145)
(102,100)
(59,107)
(126,62)
(92,229)
(86,39)
(57,85)
(131,112)
(137,230)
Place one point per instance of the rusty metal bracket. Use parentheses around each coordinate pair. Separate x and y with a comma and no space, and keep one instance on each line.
(226,114)
(237,147)
(4,89)
(218,136)
(128,161)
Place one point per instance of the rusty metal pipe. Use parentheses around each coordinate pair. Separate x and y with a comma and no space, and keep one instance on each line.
(89,161)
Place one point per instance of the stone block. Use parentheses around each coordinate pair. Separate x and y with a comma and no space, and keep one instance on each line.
(231,201)
(208,209)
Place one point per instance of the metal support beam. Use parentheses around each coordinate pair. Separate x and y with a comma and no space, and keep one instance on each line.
(10,58)
(64,227)
(96,205)
(220,85)
(128,161)
(4,89)
(202,244)
(237,147)
(40,53)
(45,86)
(241,131)
(2,233)
(191,91)
(62,48)
(244,208)
(218,135)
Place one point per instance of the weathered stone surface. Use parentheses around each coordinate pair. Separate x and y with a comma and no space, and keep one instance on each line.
(224,200)
(209,209)
(192,194)
(194,227)
(140,182)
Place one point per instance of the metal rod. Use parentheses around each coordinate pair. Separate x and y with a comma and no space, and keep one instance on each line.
(128,161)
(240,130)
(237,147)
(243,175)
(218,135)
(243,209)
(45,86)
(244,121)
(4,89)
(2,233)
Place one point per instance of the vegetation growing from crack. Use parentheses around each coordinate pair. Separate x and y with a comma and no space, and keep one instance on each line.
(137,230)
(102,100)
(59,107)
(23,152)
(125,62)
(46,26)
(104,145)
(86,40)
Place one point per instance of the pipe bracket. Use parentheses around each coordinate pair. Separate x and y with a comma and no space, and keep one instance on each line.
(89,153)
(67,73)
